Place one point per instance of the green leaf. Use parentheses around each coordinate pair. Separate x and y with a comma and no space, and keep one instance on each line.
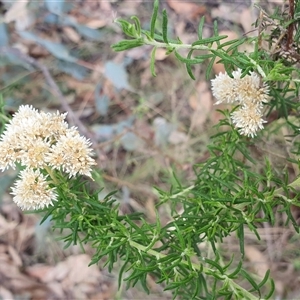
(153,18)
(265,279)
(152,61)
(209,68)
(242,59)
(192,61)
(245,152)
(127,27)
(209,40)
(137,25)
(127,44)
(188,66)
(240,233)
(272,289)
(250,279)
(165,26)
(236,271)
(121,271)
(235,45)
(228,43)
(204,56)
(216,31)
(224,56)
(200,27)
(214,264)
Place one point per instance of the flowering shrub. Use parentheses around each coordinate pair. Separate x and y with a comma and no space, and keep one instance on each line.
(229,193)
(42,143)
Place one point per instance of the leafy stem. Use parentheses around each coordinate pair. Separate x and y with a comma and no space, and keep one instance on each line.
(234,286)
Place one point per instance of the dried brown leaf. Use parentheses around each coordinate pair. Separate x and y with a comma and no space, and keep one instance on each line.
(259,261)
(87,274)
(38,271)
(96,23)
(201,103)
(14,255)
(6,226)
(72,34)
(5,294)
(247,18)
(187,9)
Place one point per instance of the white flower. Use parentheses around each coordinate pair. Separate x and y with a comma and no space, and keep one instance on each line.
(72,154)
(248,120)
(37,141)
(249,93)
(24,112)
(53,125)
(33,152)
(223,88)
(237,74)
(8,155)
(32,190)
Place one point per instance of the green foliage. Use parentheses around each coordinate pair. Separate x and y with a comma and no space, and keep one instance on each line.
(230,192)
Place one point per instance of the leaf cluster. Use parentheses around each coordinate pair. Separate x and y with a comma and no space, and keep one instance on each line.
(227,195)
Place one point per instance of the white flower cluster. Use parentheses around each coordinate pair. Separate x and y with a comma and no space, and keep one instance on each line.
(249,93)
(39,140)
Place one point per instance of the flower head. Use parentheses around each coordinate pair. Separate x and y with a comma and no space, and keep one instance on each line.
(72,154)
(33,152)
(32,136)
(9,155)
(37,141)
(223,88)
(32,190)
(249,93)
(248,120)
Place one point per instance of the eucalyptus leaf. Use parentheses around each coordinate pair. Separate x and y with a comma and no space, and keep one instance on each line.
(101,101)
(131,141)
(87,32)
(117,74)
(105,132)
(11,59)
(163,130)
(73,69)
(56,7)
(56,49)
(4,37)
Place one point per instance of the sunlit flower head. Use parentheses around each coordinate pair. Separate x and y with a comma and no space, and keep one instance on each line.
(24,112)
(33,152)
(9,155)
(28,138)
(72,154)
(248,120)
(40,141)
(223,88)
(53,125)
(247,91)
(32,190)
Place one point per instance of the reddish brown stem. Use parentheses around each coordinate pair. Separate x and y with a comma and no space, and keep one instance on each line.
(290,32)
